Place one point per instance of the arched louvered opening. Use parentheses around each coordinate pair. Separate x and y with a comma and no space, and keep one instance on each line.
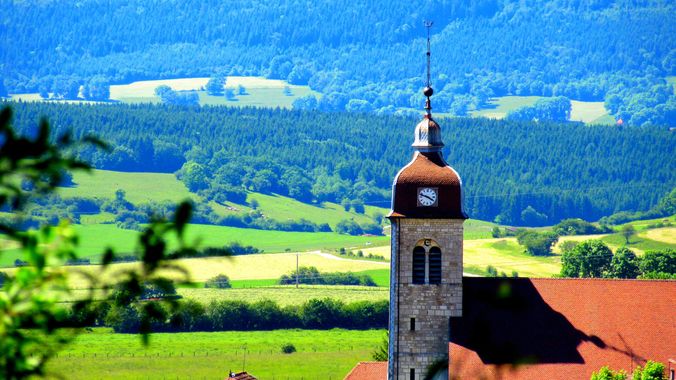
(419,265)
(435,265)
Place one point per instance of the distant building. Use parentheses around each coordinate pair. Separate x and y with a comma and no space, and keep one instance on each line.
(446,326)
(240,376)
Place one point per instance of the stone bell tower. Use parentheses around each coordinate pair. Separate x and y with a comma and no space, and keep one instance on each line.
(426,270)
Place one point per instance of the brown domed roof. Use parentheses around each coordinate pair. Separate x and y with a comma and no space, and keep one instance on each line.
(427,170)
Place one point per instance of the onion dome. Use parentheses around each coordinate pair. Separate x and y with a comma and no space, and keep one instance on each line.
(427,187)
(428,136)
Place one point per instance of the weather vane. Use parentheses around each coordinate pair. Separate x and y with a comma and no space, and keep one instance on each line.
(428,91)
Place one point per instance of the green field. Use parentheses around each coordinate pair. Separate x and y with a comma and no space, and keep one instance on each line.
(260,92)
(672,81)
(289,294)
(647,240)
(246,267)
(145,187)
(644,225)
(95,238)
(587,112)
(506,255)
(590,112)
(380,276)
(139,187)
(501,106)
(477,229)
(283,208)
(321,355)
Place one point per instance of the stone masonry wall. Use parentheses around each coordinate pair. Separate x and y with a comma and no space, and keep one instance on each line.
(430,305)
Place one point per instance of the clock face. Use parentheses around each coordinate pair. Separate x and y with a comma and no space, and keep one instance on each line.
(427,196)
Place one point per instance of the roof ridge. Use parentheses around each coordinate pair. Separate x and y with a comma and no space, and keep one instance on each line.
(598,279)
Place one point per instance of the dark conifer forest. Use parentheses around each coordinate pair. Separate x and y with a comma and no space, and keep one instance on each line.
(360,55)
(514,172)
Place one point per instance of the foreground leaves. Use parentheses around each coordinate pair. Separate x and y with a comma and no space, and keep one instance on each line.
(34,324)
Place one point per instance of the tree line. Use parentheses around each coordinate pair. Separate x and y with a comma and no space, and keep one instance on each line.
(616,51)
(312,276)
(191,316)
(514,172)
(592,258)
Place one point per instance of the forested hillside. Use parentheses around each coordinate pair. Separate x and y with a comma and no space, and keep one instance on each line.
(513,172)
(363,56)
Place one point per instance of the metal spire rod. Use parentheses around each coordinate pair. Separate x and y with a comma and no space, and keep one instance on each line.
(428,25)
(428,91)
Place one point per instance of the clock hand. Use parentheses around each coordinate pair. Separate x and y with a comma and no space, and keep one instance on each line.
(428,197)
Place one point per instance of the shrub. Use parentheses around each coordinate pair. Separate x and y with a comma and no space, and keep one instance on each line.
(654,262)
(537,244)
(190,316)
(590,258)
(651,371)
(3,277)
(236,248)
(123,319)
(349,227)
(288,348)
(230,315)
(568,245)
(312,276)
(372,228)
(219,282)
(578,226)
(160,288)
(606,373)
(322,314)
(624,264)
(382,351)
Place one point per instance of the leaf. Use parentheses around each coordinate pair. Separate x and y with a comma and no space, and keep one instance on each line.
(108,257)
(182,216)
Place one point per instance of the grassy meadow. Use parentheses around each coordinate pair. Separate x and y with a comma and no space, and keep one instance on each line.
(139,187)
(283,208)
(662,235)
(653,239)
(380,276)
(145,187)
(289,294)
(257,269)
(260,92)
(95,238)
(270,93)
(321,355)
(506,255)
(587,112)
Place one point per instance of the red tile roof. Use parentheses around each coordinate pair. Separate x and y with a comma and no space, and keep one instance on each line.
(560,328)
(555,328)
(240,376)
(368,371)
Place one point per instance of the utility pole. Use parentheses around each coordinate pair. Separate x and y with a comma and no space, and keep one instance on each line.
(297,254)
(244,359)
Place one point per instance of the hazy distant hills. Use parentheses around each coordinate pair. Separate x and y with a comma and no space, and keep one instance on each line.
(373,52)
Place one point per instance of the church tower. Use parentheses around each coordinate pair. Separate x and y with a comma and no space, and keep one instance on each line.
(426,267)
